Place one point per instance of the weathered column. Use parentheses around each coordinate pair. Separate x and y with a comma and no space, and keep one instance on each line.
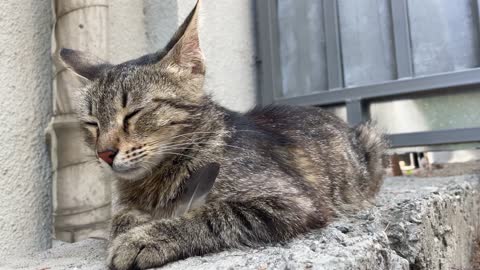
(25,94)
(82,192)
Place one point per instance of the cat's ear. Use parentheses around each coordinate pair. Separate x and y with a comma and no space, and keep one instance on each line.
(83,64)
(184,48)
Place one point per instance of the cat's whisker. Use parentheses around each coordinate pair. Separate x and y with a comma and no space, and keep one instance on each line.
(183,143)
(202,143)
(208,132)
(199,149)
(198,132)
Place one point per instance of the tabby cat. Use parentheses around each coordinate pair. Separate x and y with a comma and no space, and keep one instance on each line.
(265,176)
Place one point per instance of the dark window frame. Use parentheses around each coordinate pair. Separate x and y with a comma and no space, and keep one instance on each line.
(357,99)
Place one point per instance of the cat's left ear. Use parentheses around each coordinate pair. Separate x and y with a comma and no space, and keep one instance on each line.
(184,48)
(83,64)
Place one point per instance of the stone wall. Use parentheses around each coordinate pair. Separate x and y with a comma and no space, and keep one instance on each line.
(417,223)
(26,106)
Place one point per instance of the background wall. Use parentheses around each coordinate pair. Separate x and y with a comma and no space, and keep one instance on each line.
(227,36)
(26,104)
(127,35)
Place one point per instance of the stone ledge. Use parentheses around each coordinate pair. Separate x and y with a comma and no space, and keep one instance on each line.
(419,223)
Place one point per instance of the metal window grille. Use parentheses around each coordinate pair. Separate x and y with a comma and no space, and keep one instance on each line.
(358,98)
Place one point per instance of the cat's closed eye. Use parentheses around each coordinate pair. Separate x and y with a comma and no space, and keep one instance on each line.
(175,123)
(91,124)
(94,130)
(128,117)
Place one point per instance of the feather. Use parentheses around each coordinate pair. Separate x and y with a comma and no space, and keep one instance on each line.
(197,187)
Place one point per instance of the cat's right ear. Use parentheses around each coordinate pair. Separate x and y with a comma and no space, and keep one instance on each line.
(83,64)
(184,48)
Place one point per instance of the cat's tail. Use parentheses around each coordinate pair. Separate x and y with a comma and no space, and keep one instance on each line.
(374,144)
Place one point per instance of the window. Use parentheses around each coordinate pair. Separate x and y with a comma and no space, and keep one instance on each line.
(353,53)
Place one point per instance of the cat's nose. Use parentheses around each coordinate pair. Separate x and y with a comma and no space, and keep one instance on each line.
(108,155)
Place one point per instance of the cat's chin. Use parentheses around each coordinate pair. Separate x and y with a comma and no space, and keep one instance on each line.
(131,175)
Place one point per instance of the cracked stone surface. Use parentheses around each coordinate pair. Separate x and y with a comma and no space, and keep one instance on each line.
(418,223)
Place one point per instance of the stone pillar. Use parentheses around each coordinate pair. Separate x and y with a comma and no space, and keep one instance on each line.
(81,189)
(26,98)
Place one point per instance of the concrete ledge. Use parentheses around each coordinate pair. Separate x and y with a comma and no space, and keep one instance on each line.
(438,230)
(419,223)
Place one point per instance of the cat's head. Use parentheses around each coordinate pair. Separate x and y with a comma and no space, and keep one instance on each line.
(139,112)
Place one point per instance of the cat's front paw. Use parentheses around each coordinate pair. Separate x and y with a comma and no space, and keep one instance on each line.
(124,221)
(135,250)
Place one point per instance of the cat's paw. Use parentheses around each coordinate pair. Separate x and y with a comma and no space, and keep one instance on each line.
(134,250)
(124,221)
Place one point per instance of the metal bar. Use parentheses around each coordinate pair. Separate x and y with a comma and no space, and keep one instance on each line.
(476,13)
(435,83)
(267,36)
(401,37)
(466,135)
(357,112)
(332,38)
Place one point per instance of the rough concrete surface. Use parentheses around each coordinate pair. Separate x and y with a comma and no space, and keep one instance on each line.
(418,223)
(26,105)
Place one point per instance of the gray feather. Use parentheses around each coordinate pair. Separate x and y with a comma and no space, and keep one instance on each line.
(197,187)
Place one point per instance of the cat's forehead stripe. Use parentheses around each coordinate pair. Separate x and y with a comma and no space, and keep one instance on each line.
(176,103)
(124,98)
(90,107)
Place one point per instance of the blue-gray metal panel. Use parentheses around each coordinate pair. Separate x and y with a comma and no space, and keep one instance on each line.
(332,36)
(444,35)
(357,112)
(302,47)
(267,38)
(401,30)
(436,137)
(367,42)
